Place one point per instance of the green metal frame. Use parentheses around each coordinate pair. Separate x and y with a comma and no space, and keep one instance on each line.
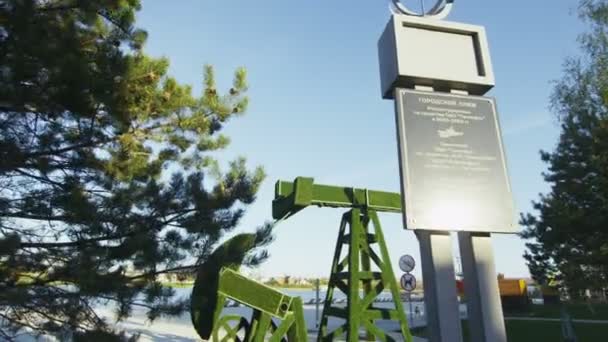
(360,229)
(277,317)
(267,304)
(291,197)
(353,273)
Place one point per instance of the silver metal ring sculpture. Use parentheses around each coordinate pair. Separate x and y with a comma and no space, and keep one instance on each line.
(440,11)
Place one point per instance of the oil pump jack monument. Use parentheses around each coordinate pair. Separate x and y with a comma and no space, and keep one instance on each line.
(453,179)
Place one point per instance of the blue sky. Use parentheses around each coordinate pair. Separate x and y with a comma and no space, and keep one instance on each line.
(316,108)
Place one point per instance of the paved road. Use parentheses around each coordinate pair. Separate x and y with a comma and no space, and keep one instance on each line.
(592,321)
(312,336)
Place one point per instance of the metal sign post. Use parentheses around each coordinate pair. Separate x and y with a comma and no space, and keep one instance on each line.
(440,296)
(408,281)
(486,321)
(317,301)
(451,159)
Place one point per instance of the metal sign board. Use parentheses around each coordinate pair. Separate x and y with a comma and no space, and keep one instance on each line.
(453,170)
(408,282)
(407,263)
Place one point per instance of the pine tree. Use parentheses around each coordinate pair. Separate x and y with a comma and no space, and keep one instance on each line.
(569,232)
(106,172)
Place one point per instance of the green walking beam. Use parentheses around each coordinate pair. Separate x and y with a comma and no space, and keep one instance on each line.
(365,269)
(267,304)
(291,197)
(275,316)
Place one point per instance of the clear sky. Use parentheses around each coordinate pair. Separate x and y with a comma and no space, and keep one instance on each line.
(316,108)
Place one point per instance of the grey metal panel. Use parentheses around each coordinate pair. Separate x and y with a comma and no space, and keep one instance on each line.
(437,54)
(486,320)
(452,165)
(444,55)
(386,55)
(439,282)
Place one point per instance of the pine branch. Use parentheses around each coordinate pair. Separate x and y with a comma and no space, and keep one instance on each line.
(77,243)
(17,323)
(7,337)
(64,149)
(64,7)
(167,270)
(130,302)
(57,218)
(39,178)
(107,16)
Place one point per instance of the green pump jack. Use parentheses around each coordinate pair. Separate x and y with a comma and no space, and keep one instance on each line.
(361,274)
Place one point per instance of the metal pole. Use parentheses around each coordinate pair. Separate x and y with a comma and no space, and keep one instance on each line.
(409,297)
(317,299)
(486,320)
(442,314)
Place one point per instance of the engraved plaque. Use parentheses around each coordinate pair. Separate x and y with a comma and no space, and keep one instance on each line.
(453,170)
